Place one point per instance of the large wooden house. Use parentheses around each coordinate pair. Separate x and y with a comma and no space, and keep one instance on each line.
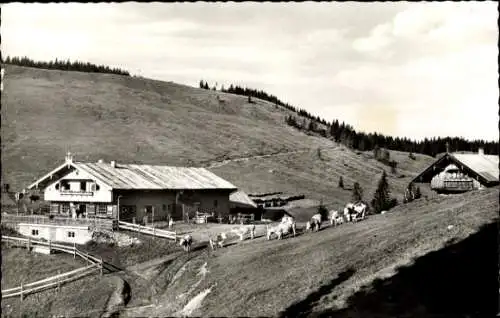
(461,172)
(126,191)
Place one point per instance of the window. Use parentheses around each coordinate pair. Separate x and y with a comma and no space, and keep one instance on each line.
(82,186)
(102,209)
(34,232)
(148,209)
(57,186)
(215,203)
(71,234)
(65,208)
(97,187)
(92,187)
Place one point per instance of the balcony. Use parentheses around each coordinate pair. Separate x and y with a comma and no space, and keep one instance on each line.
(72,192)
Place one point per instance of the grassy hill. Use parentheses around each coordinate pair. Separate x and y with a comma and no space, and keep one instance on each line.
(128,119)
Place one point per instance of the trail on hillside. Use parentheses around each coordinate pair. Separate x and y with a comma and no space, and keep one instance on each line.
(216,164)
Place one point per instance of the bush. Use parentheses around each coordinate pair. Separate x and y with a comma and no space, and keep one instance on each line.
(341,182)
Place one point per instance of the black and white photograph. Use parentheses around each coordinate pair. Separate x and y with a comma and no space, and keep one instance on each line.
(250,159)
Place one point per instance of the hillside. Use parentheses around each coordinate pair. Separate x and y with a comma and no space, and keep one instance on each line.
(128,119)
(406,263)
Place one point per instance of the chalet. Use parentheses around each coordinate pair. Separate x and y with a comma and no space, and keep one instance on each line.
(243,207)
(461,172)
(126,191)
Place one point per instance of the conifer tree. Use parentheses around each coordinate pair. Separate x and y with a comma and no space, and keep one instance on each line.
(357,193)
(341,182)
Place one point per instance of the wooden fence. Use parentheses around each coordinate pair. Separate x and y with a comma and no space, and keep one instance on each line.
(106,224)
(93,264)
(148,230)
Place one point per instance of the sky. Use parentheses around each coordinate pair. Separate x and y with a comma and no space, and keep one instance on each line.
(405,69)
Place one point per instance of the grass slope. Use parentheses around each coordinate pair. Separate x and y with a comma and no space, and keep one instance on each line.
(316,273)
(47,112)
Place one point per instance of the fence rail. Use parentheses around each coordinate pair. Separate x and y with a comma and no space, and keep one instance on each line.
(41,219)
(96,264)
(148,230)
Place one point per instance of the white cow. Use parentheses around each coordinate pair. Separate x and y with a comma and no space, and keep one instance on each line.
(348,211)
(186,242)
(335,217)
(218,240)
(316,221)
(360,211)
(244,230)
(287,226)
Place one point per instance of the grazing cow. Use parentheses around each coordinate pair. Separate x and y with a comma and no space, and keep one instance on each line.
(349,211)
(186,242)
(244,230)
(217,241)
(359,211)
(283,228)
(316,221)
(337,219)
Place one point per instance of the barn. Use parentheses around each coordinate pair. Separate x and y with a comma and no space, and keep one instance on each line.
(127,191)
(461,172)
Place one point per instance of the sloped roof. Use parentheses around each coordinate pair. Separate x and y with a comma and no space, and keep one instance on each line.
(242,198)
(484,165)
(154,177)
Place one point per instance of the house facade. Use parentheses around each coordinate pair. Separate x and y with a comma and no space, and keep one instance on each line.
(128,191)
(461,172)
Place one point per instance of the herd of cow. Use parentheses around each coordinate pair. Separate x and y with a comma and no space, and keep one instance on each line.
(352,213)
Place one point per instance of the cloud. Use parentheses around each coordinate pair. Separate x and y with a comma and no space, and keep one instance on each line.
(392,67)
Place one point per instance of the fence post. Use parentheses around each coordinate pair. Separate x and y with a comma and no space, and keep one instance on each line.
(101,266)
(50,246)
(22,291)
(153,231)
(29,243)
(87,258)
(58,281)
(74,250)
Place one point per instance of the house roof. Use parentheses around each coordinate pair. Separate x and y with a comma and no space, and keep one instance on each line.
(154,177)
(241,197)
(484,166)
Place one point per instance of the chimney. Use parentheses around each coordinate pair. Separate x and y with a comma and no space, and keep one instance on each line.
(100,161)
(69,158)
(113,164)
(480,151)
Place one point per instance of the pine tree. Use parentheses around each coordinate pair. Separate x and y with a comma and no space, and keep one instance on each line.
(202,85)
(381,200)
(357,193)
(323,211)
(341,182)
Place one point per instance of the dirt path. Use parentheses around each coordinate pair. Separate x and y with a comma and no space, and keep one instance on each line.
(216,164)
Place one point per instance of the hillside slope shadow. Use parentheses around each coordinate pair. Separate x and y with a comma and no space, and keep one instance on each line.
(304,307)
(460,280)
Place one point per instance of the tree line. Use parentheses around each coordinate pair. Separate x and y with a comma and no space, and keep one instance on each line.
(345,134)
(66,65)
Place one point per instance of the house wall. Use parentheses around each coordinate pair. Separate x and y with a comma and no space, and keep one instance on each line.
(164,203)
(104,194)
(56,233)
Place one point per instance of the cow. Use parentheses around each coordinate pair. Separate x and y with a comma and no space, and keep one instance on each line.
(348,211)
(186,242)
(316,221)
(360,211)
(335,217)
(244,230)
(284,228)
(170,223)
(217,241)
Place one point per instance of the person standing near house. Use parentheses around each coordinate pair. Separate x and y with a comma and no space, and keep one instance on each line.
(72,210)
